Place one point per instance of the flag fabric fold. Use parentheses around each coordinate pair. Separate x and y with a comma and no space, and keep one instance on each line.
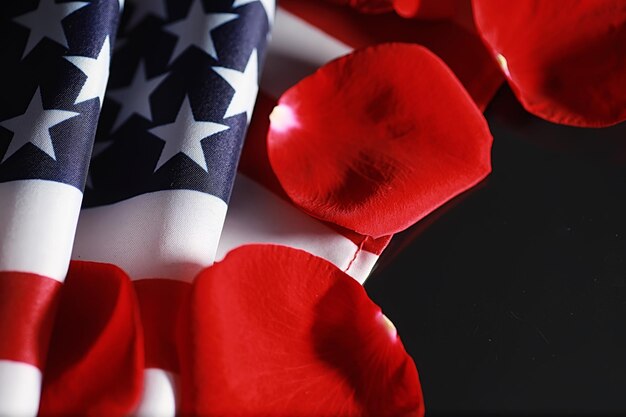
(184,80)
(54,74)
(96,355)
(125,146)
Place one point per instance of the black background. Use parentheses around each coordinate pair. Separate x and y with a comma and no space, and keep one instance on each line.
(511,298)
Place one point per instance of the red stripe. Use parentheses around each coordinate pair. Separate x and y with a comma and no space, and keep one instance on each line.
(95,364)
(27,307)
(160,302)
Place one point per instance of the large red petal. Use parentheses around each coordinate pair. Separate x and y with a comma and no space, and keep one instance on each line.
(565,60)
(276,331)
(377,139)
(95,363)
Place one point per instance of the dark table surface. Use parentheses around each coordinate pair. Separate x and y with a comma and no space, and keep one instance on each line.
(512,297)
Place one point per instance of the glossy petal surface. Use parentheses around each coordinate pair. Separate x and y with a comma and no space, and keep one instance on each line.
(276,331)
(377,139)
(565,60)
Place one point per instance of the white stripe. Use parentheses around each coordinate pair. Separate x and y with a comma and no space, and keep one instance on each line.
(296,50)
(37,223)
(166,234)
(159,398)
(256,215)
(362,266)
(20,387)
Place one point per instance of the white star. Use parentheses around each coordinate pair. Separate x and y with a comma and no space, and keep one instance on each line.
(245,84)
(135,98)
(185,135)
(33,126)
(142,8)
(195,29)
(268,5)
(97,72)
(45,22)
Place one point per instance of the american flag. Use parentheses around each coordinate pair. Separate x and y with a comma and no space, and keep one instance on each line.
(55,66)
(122,142)
(167,97)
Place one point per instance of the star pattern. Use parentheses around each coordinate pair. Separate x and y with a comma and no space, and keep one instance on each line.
(97,72)
(135,98)
(45,22)
(245,84)
(60,60)
(185,135)
(195,30)
(33,126)
(189,125)
(170,122)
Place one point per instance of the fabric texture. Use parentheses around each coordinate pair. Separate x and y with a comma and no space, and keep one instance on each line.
(133,146)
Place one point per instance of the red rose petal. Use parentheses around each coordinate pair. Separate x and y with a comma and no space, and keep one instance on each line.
(377,139)
(95,362)
(275,331)
(565,60)
(254,164)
